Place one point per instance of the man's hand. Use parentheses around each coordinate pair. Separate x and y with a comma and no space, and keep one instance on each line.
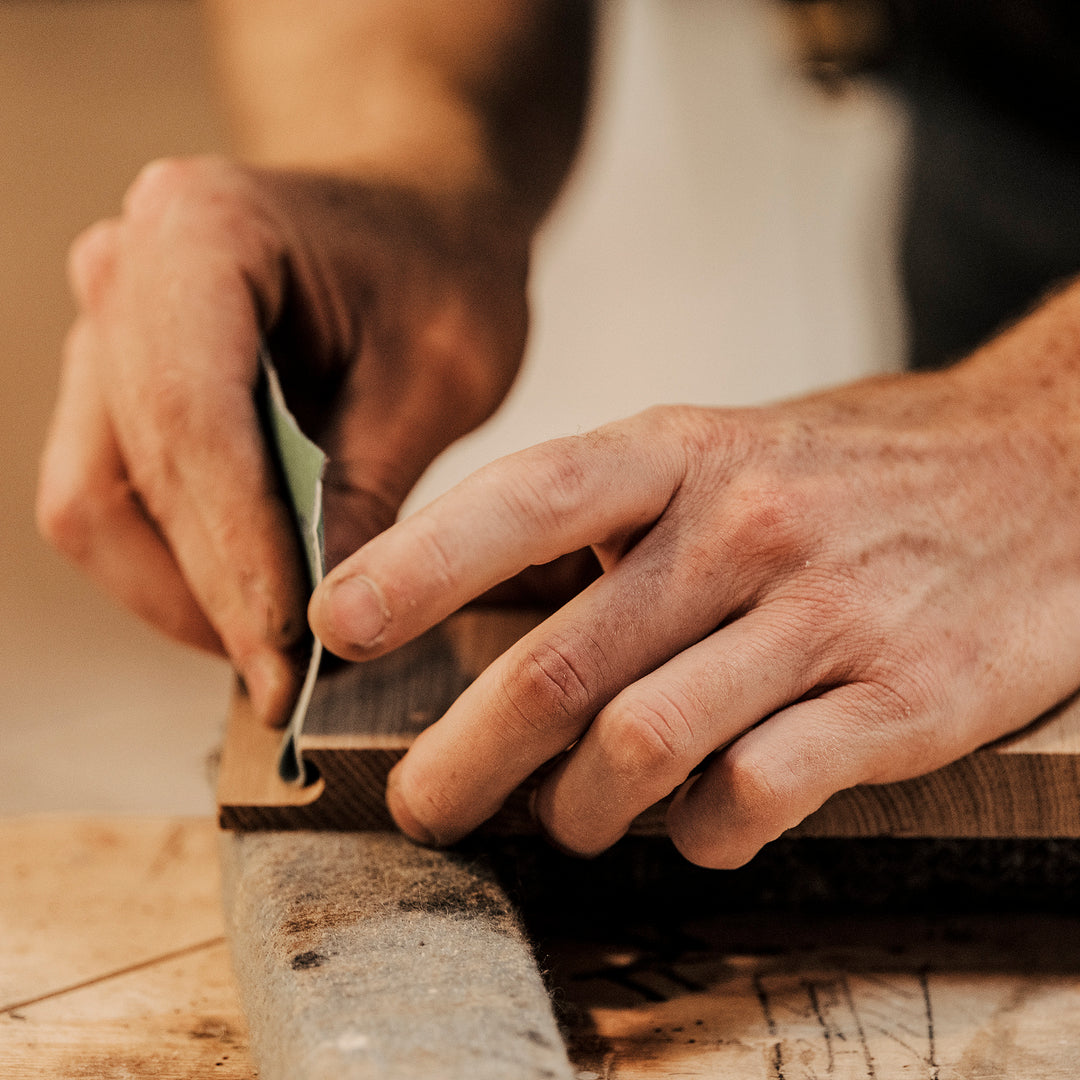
(406,153)
(397,324)
(853,588)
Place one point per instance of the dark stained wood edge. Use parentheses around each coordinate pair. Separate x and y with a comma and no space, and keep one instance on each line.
(1025,786)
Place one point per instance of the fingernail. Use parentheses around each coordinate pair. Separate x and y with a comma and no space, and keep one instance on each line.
(403,815)
(357,611)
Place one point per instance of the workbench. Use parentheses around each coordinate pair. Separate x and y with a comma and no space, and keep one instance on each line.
(115,965)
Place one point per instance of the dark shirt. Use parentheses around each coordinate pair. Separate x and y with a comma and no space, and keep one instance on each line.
(1021,56)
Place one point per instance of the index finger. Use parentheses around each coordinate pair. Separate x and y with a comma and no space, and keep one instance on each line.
(522,510)
(211,487)
(181,400)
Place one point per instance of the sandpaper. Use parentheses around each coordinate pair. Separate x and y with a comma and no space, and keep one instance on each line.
(301,464)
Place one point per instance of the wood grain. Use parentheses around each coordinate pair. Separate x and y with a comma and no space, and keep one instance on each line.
(82,896)
(363,718)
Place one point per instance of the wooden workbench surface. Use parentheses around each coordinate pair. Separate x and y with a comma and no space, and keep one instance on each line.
(114,956)
(114,965)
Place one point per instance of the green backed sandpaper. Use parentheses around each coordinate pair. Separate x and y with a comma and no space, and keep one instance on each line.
(301,464)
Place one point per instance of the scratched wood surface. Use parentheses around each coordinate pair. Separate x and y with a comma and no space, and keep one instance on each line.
(118,970)
(363,718)
(114,958)
(819,999)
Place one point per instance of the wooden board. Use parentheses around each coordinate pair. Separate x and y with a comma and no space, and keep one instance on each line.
(363,718)
(114,956)
(870,998)
(740,997)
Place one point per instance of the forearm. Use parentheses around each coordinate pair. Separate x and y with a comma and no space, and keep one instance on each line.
(478,100)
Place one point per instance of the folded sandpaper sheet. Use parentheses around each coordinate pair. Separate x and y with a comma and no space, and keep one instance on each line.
(301,465)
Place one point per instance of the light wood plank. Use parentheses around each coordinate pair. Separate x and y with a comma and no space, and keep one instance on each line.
(171,1020)
(751,997)
(115,963)
(82,897)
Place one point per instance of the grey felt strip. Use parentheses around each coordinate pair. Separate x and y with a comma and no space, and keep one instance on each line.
(360,955)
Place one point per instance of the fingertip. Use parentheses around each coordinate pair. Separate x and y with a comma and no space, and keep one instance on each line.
(272,683)
(701,835)
(91,262)
(571,834)
(349,615)
(403,815)
(569,852)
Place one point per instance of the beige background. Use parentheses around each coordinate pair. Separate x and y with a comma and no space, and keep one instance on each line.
(726,239)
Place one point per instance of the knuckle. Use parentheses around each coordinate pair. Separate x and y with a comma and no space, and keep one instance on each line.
(818,615)
(70,512)
(762,530)
(547,484)
(683,421)
(768,524)
(913,743)
(278,602)
(551,685)
(754,792)
(703,437)
(203,200)
(357,513)
(469,360)
(647,734)
(91,263)
(162,184)
(60,516)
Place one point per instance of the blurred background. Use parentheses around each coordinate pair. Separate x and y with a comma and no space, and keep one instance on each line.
(727,237)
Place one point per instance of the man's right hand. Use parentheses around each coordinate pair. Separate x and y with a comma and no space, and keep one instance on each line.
(397,323)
